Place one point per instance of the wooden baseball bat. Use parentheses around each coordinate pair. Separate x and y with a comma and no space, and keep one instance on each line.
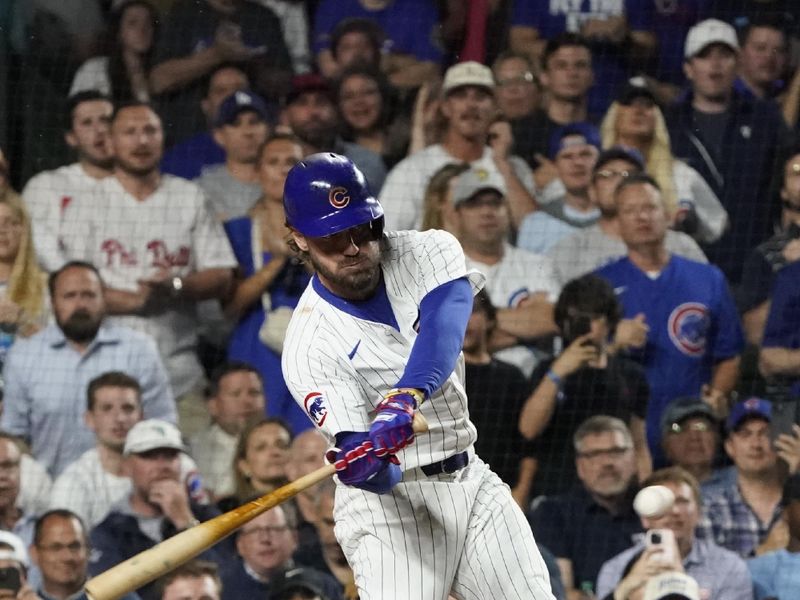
(162,558)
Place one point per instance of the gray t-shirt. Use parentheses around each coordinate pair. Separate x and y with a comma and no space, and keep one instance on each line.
(589,249)
(228,198)
(575,218)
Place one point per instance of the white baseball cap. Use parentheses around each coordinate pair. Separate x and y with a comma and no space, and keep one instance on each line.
(477,179)
(705,33)
(468,73)
(151,434)
(17,552)
(671,585)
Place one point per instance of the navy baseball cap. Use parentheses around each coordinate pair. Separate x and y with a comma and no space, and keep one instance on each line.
(293,580)
(631,155)
(237,103)
(681,409)
(752,408)
(635,87)
(574,134)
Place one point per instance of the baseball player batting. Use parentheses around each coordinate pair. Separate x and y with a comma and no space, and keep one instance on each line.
(376,337)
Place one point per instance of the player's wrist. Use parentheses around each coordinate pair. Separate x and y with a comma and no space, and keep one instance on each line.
(416,396)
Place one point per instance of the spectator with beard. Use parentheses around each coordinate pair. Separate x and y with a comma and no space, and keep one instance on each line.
(46,376)
(311,115)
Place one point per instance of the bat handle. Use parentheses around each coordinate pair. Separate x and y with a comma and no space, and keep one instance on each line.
(420,423)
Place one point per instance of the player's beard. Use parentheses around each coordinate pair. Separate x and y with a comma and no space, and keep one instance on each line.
(351,284)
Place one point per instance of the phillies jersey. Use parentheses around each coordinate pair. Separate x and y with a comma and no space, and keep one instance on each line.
(128,240)
(693,325)
(338,364)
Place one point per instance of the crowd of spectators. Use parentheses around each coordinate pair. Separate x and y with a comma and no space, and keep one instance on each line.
(626,175)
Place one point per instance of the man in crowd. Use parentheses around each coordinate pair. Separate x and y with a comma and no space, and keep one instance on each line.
(732,141)
(690,437)
(13,518)
(312,117)
(595,520)
(14,557)
(356,41)
(771,256)
(235,398)
(195,580)
(159,249)
(158,505)
(762,60)
(198,36)
(47,375)
(516,89)
(741,511)
(264,548)
(187,158)
(48,194)
(592,247)
(468,107)
(694,336)
(522,283)
(718,572)
(240,128)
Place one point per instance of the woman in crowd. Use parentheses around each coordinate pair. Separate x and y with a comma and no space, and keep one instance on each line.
(261,458)
(438,203)
(24,306)
(634,120)
(122,73)
(366,103)
(270,279)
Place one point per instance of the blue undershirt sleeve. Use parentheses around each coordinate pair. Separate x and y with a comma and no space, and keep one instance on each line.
(443,316)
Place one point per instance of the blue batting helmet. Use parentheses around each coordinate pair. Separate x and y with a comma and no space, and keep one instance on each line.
(325,193)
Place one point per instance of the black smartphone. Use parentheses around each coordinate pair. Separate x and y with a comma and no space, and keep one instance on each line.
(10,579)
(576,326)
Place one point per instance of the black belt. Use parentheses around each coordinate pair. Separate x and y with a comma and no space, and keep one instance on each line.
(448,465)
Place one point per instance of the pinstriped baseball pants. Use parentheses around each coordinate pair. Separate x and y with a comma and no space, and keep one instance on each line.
(459,533)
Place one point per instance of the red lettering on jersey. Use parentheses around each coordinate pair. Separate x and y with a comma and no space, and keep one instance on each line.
(114,251)
(163,258)
(65,200)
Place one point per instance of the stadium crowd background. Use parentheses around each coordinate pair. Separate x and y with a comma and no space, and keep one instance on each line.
(146,280)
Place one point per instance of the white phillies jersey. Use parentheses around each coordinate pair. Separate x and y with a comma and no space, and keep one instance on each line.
(517,276)
(128,240)
(47,197)
(338,366)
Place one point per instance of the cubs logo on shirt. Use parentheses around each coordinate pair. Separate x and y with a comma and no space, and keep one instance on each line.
(314,404)
(688,326)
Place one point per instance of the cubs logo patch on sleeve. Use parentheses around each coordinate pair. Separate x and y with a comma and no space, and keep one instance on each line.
(314,404)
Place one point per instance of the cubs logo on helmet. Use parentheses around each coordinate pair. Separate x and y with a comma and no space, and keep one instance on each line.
(338,197)
(688,327)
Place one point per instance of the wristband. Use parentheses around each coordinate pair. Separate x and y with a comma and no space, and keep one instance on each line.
(416,394)
(551,375)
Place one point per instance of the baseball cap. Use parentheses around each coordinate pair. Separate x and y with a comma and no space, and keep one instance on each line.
(681,409)
(17,551)
(467,73)
(308,82)
(705,33)
(300,578)
(474,180)
(631,155)
(237,103)
(151,434)
(635,87)
(752,408)
(671,585)
(574,134)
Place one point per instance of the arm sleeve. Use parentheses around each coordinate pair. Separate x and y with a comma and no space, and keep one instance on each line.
(16,406)
(210,246)
(158,401)
(444,313)
(784,311)
(737,583)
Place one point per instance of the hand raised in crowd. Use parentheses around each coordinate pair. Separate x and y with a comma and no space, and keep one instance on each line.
(787,447)
(631,333)
(791,252)
(545,172)
(716,399)
(171,497)
(229,45)
(577,355)
(500,140)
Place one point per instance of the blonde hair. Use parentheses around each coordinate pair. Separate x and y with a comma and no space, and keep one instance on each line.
(436,194)
(658,158)
(26,285)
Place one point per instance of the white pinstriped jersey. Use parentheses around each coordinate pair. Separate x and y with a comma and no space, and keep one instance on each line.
(337,366)
(518,275)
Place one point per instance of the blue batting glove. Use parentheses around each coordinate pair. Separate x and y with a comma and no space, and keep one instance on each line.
(357,465)
(392,429)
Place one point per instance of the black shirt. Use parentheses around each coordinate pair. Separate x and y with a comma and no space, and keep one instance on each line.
(620,390)
(497,392)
